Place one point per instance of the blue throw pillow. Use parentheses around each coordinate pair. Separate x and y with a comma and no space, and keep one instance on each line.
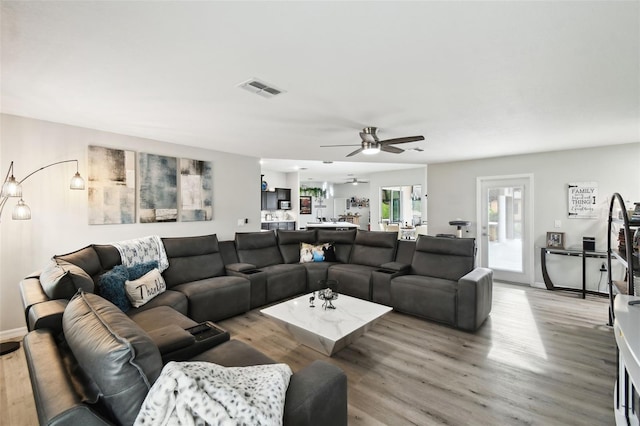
(141,269)
(111,287)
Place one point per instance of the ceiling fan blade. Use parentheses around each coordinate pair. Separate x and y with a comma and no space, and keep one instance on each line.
(389,148)
(357,151)
(329,146)
(402,140)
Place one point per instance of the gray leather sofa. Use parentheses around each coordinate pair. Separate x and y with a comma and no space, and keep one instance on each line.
(100,373)
(443,285)
(207,280)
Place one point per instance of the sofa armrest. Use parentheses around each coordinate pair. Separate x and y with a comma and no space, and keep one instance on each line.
(47,315)
(257,279)
(56,398)
(403,268)
(31,293)
(240,267)
(381,281)
(171,338)
(317,395)
(475,293)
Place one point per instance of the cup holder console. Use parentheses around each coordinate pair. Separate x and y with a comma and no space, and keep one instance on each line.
(207,330)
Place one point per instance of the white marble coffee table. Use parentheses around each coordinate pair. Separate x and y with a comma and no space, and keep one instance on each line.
(329,330)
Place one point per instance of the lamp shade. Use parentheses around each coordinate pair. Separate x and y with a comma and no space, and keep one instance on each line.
(77,182)
(21,211)
(11,188)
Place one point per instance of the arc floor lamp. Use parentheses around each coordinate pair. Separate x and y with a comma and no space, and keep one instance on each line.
(11,188)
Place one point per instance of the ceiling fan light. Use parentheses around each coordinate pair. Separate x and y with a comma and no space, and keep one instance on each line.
(370,148)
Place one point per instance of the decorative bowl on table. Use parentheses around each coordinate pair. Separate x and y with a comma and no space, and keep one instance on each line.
(328,296)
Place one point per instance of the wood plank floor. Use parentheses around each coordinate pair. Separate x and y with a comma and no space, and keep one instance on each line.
(542,358)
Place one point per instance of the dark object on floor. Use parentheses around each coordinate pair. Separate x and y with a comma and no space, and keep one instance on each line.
(8,347)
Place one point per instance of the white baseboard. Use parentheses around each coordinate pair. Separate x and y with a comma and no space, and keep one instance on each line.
(539,285)
(12,334)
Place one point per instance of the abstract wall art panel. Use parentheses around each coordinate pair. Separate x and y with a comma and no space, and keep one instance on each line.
(112,186)
(196,190)
(158,188)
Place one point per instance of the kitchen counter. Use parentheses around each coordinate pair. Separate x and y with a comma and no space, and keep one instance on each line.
(331,225)
(277,220)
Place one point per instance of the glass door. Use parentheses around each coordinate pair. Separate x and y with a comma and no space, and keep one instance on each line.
(504,215)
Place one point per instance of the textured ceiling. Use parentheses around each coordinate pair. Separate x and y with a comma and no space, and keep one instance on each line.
(477,79)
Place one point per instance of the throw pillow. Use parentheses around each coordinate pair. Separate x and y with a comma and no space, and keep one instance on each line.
(111,287)
(310,253)
(145,288)
(140,269)
(322,252)
(61,280)
(329,252)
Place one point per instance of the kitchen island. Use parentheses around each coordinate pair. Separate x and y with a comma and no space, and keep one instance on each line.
(339,226)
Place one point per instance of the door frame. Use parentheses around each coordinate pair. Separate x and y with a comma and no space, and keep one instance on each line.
(528,254)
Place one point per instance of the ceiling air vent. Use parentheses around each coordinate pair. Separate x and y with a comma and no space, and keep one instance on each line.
(261,88)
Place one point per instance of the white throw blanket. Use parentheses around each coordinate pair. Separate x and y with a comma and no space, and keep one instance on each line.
(204,393)
(141,250)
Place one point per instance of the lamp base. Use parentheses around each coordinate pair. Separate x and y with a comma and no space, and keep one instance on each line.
(8,347)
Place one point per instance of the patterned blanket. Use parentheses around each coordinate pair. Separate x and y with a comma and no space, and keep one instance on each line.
(203,393)
(141,250)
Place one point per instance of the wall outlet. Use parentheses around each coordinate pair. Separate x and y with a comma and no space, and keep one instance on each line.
(557,223)
(240,222)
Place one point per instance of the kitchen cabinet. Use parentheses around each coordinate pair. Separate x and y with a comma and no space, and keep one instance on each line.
(283,194)
(284,225)
(269,200)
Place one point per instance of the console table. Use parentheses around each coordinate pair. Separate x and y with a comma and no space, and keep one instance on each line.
(544,251)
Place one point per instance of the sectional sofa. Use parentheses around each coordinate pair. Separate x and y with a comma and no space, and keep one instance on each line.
(209,280)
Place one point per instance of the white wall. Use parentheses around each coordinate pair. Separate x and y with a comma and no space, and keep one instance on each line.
(452,192)
(59,216)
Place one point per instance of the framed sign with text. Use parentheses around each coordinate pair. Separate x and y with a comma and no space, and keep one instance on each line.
(582,198)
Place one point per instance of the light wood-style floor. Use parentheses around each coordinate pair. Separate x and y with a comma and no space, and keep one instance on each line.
(542,358)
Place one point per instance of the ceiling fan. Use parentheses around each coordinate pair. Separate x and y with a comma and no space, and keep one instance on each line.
(371,144)
(356,181)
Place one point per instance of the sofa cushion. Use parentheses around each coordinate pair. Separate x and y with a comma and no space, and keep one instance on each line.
(353,280)
(174,299)
(289,243)
(446,258)
(192,259)
(108,254)
(61,280)
(374,248)
(86,258)
(342,242)
(427,297)
(258,248)
(116,354)
(145,288)
(285,280)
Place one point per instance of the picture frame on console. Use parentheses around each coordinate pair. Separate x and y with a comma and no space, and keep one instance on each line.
(555,240)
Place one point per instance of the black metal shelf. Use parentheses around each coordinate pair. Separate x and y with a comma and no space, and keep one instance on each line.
(618,255)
